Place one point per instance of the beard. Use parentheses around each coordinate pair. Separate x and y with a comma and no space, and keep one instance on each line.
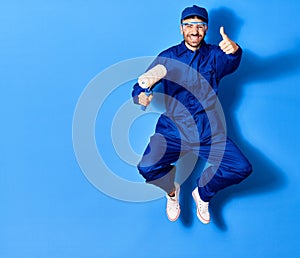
(194,39)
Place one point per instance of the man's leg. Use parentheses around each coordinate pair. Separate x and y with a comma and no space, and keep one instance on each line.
(156,167)
(228,166)
(231,169)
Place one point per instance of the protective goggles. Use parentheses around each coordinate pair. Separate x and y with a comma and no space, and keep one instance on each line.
(190,25)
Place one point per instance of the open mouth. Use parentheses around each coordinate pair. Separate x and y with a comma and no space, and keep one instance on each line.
(195,37)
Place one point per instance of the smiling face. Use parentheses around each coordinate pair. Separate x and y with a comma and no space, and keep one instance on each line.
(193,31)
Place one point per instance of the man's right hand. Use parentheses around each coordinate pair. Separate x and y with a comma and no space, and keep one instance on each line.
(144,100)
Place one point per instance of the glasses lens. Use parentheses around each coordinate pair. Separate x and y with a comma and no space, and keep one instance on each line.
(197,25)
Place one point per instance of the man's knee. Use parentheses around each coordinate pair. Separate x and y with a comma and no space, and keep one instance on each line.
(243,168)
(235,170)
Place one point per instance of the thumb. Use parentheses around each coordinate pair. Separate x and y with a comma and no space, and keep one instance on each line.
(224,36)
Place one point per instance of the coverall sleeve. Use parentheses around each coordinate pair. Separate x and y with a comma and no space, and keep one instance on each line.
(227,63)
(136,92)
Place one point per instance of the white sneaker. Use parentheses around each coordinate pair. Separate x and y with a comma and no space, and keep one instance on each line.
(173,207)
(202,207)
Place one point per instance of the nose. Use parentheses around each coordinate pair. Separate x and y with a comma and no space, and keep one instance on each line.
(194,30)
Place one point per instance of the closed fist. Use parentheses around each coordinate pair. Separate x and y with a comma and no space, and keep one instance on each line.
(144,100)
(227,45)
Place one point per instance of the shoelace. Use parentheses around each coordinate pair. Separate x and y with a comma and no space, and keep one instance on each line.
(173,204)
(203,206)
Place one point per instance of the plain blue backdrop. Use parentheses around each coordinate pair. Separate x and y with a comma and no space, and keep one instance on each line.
(50,50)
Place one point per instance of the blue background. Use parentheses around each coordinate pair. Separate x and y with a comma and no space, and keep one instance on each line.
(50,50)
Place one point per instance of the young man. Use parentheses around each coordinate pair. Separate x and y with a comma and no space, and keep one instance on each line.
(191,102)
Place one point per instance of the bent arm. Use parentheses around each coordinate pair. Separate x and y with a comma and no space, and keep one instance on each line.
(227,63)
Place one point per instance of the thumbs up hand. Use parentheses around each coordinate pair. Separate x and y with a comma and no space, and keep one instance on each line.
(227,45)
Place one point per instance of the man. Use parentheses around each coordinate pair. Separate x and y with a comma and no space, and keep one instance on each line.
(191,121)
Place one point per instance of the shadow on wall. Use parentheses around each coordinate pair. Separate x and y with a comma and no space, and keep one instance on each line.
(266,175)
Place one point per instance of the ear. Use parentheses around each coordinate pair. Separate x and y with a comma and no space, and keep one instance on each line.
(181,29)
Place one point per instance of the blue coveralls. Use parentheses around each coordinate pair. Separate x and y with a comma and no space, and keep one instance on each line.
(191,122)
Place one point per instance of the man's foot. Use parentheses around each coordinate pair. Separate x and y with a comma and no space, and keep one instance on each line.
(202,207)
(173,207)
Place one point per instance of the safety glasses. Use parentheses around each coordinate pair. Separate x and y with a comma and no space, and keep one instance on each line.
(191,25)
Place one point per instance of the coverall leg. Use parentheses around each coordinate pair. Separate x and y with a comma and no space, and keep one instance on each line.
(228,165)
(157,164)
(231,169)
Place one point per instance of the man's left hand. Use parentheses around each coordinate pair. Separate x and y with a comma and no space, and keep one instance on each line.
(227,45)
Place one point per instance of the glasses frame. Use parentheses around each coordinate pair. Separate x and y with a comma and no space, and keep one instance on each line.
(186,24)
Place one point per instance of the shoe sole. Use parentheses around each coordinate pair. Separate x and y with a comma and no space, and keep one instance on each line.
(204,221)
(173,220)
